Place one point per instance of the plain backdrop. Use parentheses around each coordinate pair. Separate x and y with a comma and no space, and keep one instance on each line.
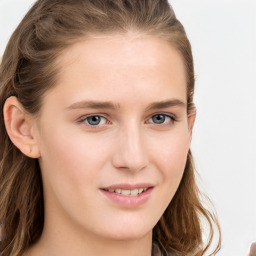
(223,38)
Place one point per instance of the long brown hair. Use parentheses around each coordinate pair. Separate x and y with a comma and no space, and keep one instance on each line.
(29,69)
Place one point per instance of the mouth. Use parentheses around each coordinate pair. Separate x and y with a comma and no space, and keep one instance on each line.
(127,195)
(127,192)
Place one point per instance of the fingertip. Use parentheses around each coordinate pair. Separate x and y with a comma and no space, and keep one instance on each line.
(252,249)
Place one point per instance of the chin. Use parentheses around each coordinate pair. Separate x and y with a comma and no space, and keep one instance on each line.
(131,231)
(129,236)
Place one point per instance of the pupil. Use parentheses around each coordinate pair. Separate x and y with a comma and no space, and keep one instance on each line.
(94,120)
(158,119)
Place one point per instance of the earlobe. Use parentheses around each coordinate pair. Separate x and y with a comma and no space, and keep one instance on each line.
(19,126)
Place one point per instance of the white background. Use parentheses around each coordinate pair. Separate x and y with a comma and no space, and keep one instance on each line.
(223,38)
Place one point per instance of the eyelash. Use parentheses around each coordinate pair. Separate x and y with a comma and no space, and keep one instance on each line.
(85,119)
(172,118)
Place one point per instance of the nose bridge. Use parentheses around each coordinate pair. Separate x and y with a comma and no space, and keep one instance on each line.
(131,153)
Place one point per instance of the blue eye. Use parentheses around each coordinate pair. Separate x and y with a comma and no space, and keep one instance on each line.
(95,120)
(162,119)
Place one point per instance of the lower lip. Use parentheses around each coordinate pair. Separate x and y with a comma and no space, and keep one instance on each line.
(128,201)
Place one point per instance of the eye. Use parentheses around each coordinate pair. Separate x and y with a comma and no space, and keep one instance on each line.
(95,120)
(162,119)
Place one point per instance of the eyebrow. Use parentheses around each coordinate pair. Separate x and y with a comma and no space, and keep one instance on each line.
(94,105)
(166,104)
(112,106)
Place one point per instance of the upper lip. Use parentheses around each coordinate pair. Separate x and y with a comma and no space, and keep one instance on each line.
(129,186)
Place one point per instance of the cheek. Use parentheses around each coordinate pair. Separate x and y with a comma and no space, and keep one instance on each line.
(171,151)
(69,158)
(171,160)
(72,161)
(71,169)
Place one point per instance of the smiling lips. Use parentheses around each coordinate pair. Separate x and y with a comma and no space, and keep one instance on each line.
(127,192)
(127,195)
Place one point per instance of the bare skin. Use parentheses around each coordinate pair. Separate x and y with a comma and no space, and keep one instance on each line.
(116,116)
(252,249)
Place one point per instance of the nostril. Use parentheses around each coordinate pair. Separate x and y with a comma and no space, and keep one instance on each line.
(133,167)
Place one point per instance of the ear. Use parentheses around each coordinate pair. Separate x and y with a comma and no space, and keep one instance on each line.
(191,121)
(20,127)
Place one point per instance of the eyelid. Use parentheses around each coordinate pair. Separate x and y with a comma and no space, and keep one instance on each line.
(170,115)
(84,117)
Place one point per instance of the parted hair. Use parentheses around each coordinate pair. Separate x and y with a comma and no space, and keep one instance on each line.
(29,68)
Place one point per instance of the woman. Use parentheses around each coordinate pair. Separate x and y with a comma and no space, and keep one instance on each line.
(97,118)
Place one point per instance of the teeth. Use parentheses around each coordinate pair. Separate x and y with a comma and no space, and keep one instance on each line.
(127,192)
(118,191)
(134,192)
(141,190)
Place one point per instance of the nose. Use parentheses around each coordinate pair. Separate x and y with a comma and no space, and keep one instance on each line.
(130,153)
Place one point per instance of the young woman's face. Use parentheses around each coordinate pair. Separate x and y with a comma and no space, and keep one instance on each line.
(113,136)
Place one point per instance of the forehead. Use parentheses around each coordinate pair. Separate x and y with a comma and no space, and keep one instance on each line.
(130,65)
(123,50)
